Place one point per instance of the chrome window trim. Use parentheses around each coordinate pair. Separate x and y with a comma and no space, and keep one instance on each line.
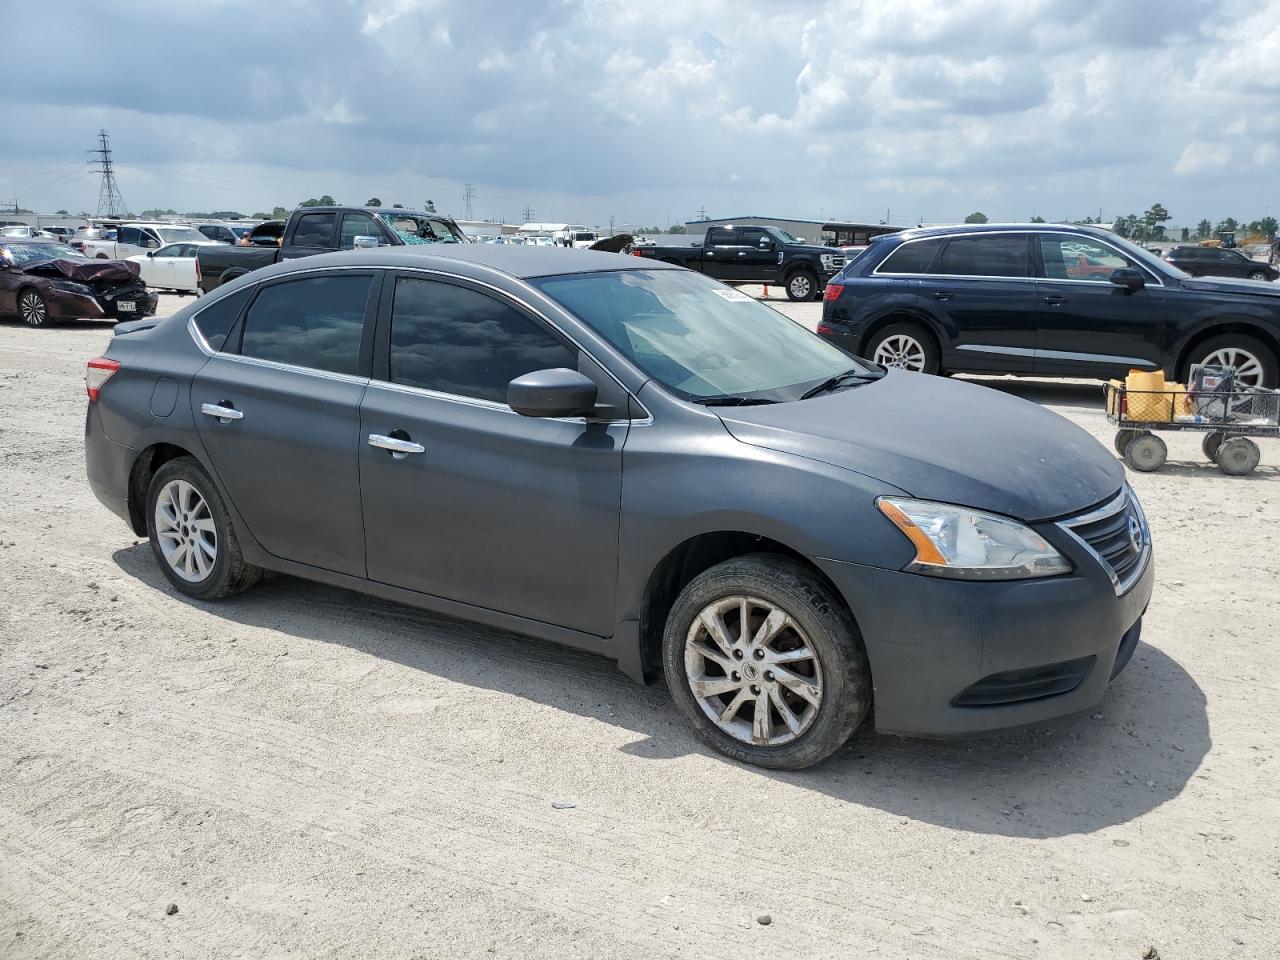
(877,272)
(1109,509)
(493,404)
(204,346)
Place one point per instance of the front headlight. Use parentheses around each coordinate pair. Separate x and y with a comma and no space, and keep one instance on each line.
(968,544)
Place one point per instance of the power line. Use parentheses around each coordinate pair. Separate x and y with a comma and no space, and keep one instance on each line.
(110,203)
(468,195)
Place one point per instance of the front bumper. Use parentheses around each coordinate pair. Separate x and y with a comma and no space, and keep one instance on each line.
(70,305)
(944,652)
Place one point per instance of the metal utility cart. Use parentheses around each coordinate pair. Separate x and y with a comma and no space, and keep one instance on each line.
(1229,414)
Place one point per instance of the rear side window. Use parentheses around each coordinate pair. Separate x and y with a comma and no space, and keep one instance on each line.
(455,340)
(911,257)
(314,230)
(722,238)
(311,322)
(1002,255)
(215,320)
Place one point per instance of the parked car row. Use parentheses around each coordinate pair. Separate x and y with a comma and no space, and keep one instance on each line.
(1045,300)
(630,458)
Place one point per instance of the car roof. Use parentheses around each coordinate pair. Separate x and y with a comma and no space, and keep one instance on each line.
(398,211)
(977,228)
(521,261)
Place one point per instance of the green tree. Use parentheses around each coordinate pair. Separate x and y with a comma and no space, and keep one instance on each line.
(429,206)
(1203,229)
(1229,225)
(1037,219)
(279,213)
(62,213)
(976,217)
(373,202)
(1153,221)
(325,201)
(1267,226)
(676,228)
(1186,234)
(397,206)
(261,216)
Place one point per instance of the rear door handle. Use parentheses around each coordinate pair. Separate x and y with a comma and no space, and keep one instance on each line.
(399,448)
(223,411)
(1055,298)
(942,295)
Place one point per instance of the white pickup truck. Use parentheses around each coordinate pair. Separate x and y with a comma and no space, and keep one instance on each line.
(133,239)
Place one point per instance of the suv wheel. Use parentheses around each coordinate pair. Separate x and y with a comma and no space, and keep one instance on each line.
(32,308)
(765,663)
(801,285)
(906,346)
(1253,361)
(191,533)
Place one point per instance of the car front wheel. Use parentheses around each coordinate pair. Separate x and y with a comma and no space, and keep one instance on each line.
(801,285)
(765,662)
(32,308)
(191,533)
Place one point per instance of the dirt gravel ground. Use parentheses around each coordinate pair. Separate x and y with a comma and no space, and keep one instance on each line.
(303,771)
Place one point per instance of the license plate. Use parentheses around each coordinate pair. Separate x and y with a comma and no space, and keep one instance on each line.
(126,306)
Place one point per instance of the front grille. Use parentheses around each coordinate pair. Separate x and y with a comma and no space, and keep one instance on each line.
(1116,534)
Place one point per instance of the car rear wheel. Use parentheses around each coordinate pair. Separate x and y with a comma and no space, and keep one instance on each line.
(765,663)
(1253,361)
(191,533)
(1258,275)
(32,308)
(906,346)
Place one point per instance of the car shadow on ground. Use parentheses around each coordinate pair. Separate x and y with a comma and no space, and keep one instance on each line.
(1073,393)
(1133,752)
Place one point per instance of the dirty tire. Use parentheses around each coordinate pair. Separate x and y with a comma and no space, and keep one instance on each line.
(801,285)
(830,631)
(230,573)
(1238,456)
(1124,436)
(1258,275)
(1146,453)
(1210,444)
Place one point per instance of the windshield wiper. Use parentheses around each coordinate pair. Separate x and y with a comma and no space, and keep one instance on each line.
(842,379)
(734,401)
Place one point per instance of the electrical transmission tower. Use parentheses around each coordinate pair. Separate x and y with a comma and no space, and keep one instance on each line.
(110,203)
(528,214)
(702,213)
(468,196)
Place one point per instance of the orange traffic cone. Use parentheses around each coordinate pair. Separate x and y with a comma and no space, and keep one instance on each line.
(765,295)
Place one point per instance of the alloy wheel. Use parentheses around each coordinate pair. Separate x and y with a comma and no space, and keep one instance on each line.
(186,531)
(1247,367)
(902,351)
(801,286)
(31,307)
(753,671)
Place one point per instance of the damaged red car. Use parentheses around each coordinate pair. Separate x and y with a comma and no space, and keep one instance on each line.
(43,280)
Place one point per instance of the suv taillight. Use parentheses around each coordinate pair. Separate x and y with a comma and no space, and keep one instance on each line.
(97,373)
(833,291)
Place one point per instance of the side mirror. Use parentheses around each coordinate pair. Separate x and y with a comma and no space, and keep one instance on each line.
(364,242)
(766,244)
(1128,278)
(558,392)
(151,253)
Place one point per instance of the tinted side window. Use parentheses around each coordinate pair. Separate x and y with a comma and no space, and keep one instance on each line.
(357,225)
(1002,255)
(215,320)
(751,236)
(722,238)
(311,322)
(129,235)
(911,257)
(455,340)
(314,230)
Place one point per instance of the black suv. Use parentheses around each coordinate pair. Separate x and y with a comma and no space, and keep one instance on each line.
(1219,262)
(1044,300)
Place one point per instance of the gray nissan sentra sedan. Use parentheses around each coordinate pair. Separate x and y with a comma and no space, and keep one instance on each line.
(632,459)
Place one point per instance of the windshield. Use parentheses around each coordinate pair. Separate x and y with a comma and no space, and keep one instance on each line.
(698,338)
(413,229)
(789,238)
(180,234)
(24,253)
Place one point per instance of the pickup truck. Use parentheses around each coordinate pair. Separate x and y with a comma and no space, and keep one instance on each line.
(750,254)
(312,230)
(133,239)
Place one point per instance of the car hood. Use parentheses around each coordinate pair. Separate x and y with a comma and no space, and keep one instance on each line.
(943,440)
(1231,285)
(84,271)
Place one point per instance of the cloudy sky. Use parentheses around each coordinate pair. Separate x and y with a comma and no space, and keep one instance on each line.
(648,109)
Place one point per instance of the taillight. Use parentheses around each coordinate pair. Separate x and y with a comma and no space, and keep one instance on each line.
(97,373)
(833,292)
(826,330)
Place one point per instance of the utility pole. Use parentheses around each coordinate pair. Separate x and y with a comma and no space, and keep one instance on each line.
(110,203)
(528,213)
(702,213)
(468,195)
(611,224)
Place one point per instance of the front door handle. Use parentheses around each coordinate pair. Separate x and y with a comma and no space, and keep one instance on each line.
(1055,298)
(743,253)
(399,448)
(942,295)
(223,411)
